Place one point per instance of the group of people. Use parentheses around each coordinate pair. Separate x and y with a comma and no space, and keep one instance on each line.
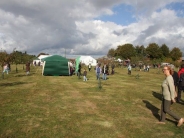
(145,67)
(98,70)
(7,68)
(171,83)
(103,71)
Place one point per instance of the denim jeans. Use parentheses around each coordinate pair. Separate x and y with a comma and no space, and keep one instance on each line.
(97,76)
(104,76)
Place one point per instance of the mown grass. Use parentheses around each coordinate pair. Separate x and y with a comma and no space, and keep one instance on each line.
(65,106)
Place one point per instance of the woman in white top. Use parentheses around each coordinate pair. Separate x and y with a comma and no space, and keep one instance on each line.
(168,93)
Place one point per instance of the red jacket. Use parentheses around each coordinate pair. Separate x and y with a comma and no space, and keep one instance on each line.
(180,71)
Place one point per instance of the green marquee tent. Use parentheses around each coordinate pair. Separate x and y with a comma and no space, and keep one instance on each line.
(55,66)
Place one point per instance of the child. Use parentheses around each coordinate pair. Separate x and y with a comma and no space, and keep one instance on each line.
(84,75)
(6,69)
(129,69)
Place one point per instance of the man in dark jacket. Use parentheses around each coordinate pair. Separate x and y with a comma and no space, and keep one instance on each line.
(181,82)
(175,78)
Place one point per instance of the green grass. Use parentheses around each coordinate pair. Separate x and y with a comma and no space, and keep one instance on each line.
(65,106)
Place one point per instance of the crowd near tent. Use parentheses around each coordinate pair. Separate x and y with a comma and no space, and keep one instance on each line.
(42,57)
(55,66)
(36,60)
(85,60)
(39,59)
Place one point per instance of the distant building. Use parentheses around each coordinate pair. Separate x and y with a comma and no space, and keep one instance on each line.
(182,59)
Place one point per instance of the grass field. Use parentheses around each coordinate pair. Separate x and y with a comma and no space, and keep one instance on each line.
(37,106)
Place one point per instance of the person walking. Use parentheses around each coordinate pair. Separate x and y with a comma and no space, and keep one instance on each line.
(181,82)
(5,69)
(168,97)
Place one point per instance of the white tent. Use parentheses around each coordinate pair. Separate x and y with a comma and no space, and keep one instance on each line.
(41,57)
(88,60)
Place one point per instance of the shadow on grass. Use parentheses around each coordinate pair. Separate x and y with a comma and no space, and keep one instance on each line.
(22,75)
(181,102)
(12,84)
(157,95)
(153,109)
(172,121)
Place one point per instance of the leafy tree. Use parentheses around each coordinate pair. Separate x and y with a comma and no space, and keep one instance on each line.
(176,63)
(111,53)
(3,58)
(125,51)
(140,50)
(168,59)
(175,54)
(165,50)
(154,51)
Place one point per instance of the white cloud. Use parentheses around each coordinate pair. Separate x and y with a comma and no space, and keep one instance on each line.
(61,25)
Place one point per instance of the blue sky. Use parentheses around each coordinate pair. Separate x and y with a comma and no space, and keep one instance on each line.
(126,14)
(178,7)
(123,14)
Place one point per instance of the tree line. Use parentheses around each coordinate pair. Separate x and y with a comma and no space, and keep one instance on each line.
(15,57)
(152,53)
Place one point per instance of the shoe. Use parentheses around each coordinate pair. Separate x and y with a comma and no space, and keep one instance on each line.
(180,122)
(178,101)
(160,122)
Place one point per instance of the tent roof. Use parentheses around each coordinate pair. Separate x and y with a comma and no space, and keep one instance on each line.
(43,56)
(86,57)
(55,58)
(35,58)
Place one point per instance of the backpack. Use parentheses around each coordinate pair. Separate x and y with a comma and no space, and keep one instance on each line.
(181,80)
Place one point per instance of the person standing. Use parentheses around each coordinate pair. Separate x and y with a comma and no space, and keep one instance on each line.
(181,82)
(176,80)
(168,97)
(104,71)
(27,68)
(85,75)
(79,70)
(129,69)
(89,67)
(98,72)
(148,67)
(112,68)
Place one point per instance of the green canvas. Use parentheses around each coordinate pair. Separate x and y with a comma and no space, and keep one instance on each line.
(56,66)
(77,61)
